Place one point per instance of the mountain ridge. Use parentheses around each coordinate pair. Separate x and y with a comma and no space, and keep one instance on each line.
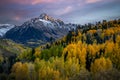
(41,29)
(4,28)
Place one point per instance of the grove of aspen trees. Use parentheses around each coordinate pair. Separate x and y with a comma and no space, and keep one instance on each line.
(91,52)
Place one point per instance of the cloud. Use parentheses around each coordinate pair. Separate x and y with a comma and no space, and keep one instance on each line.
(33,2)
(65,10)
(18,11)
(14,2)
(16,18)
(29,2)
(92,1)
(21,2)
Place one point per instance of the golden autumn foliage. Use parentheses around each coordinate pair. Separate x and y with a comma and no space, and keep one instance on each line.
(92,50)
(37,52)
(109,48)
(76,50)
(101,64)
(108,32)
(91,32)
(88,54)
(46,73)
(118,40)
(20,71)
(72,67)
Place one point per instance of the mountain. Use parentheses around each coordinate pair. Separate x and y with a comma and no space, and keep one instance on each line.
(39,30)
(4,28)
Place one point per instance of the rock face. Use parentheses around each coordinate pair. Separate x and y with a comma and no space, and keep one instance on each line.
(4,28)
(40,30)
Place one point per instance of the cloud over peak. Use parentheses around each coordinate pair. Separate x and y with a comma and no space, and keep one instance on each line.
(92,1)
(18,11)
(33,2)
(63,11)
(30,2)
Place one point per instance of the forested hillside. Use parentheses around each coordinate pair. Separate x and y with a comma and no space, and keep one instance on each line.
(90,52)
(9,50)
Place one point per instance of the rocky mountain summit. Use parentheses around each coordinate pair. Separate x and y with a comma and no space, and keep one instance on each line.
(39,30)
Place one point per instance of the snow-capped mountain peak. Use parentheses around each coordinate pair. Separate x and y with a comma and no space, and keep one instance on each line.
(46,17)
(38,29)
(44,21)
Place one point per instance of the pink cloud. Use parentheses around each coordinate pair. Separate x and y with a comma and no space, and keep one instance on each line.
(92,1)
(64,11)
(17,18)
(42,1)
(33,2)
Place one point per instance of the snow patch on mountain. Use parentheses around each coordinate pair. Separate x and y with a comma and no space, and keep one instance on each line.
(47,23)
(4,28)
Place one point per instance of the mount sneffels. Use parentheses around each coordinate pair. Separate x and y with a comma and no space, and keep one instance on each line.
(39,30)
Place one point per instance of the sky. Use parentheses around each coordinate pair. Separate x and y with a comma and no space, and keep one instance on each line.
(70,11)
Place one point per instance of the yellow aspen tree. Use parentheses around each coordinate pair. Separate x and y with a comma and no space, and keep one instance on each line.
(108,48)
(37,52)
(21,71)
(101,64)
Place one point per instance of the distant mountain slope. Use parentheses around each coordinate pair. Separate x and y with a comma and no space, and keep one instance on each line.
(39,30)
(9,50)
(4,28)
(11,47)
